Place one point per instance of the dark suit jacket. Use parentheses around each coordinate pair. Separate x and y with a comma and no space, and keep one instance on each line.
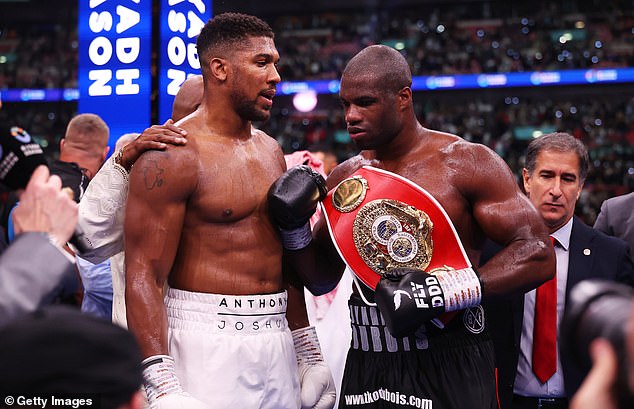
(608,259)
(617,218)
(31,269)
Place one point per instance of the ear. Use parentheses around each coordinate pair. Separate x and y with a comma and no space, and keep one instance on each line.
(527,181)
(404,97)
(580,189)
(104,155)
(218,68)
(61,144)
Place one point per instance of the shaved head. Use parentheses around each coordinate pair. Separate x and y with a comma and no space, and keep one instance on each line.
(188,97)
(87,133)
(383,65)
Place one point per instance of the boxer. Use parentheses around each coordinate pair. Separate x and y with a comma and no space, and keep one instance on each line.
(419,336)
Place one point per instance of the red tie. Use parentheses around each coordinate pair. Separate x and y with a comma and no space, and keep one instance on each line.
(545,330)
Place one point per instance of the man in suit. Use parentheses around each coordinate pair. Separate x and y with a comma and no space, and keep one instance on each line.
(616,218)
(531,372)
(35,264)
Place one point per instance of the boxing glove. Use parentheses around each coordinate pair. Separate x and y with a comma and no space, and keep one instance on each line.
(292,200)
(315,379)
(407,298)
(162,388)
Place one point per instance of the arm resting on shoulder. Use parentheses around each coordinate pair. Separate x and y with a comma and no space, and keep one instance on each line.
(102,210)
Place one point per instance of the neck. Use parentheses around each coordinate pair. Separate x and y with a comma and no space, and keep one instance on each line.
(224,121)
(407,140)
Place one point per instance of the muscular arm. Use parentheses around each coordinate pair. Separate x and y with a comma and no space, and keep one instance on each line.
(102,208)
(507,217)
(321,266)
(160,184)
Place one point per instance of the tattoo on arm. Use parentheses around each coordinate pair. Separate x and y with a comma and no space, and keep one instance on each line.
(153,175)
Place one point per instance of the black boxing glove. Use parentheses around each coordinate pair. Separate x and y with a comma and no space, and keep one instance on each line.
(292,201)
(410,297)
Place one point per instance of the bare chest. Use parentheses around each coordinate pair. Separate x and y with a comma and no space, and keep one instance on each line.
(233,185)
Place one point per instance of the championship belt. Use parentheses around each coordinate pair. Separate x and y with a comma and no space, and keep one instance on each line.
(380,222)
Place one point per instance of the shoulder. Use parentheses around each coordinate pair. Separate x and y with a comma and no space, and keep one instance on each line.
(619,202)
(459,149)
(345,169)
(174,170)
(471,166)
(266,139)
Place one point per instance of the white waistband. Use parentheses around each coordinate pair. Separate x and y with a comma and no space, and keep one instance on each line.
(231,314)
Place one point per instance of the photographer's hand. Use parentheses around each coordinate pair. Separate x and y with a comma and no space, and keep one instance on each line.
(46,207)
(598,389)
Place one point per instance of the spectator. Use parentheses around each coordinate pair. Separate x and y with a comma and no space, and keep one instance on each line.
(532,369)
(617,218)
(34,265)
(58,351)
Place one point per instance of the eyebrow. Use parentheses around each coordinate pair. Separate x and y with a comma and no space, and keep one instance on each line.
(266,56)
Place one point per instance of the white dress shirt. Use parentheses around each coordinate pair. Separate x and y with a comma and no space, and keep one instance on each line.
(526,383)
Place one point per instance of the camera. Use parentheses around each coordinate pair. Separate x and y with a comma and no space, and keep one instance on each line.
(599,309)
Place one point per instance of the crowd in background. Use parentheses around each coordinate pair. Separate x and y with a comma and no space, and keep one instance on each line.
(464,38)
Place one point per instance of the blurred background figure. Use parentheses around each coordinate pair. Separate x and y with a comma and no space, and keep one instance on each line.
(35,266)
(82,151)
(58,350)
(188,97)
(19,156)
(598,332)
(616,218)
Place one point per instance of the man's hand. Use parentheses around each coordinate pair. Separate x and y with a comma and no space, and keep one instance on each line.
(292,201)
(46,207)
(411,297)
(598,389)
(156,137)
(315,379)
(162,387)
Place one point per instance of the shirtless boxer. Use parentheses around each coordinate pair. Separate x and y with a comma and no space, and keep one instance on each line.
(197,217)
(423,365)
(102,208)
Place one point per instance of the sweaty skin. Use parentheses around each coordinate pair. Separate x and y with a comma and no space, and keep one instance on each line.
(196,214)
(474,185)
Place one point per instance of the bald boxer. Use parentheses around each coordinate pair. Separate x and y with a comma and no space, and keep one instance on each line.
(197,218)
(398,357)
(188,97)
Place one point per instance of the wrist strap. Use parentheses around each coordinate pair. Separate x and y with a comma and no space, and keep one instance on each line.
(461,288)
(297,239)
(307,345)
(159,377)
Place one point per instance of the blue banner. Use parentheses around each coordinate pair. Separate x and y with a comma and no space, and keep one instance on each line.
(181,22)
(494,80)
(114,63)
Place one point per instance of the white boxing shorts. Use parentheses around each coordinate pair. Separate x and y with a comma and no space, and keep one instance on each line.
(233,351)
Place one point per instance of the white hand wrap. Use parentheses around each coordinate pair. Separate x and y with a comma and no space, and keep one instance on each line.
(297,239)
(162,387)
(315,379)
(462,288)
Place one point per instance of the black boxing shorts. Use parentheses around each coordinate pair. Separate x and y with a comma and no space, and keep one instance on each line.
(449,368)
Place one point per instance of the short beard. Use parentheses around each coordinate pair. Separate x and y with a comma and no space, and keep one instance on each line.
(248,111)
